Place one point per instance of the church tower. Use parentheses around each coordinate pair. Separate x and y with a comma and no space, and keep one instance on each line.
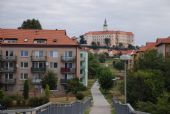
(105,26)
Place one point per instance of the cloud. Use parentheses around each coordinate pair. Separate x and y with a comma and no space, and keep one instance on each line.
(148,19)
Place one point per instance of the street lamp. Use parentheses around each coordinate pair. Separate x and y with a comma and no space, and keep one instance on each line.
(125,58)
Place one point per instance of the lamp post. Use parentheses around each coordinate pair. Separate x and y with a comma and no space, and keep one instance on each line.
(125,58)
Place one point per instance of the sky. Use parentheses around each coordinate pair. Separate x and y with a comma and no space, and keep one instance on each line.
(147,19)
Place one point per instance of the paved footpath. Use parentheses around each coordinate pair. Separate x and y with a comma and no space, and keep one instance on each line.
(100,106)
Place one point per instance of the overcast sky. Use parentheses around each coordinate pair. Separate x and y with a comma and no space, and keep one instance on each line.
(147,19)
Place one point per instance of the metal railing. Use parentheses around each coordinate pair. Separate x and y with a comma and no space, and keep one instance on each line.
(73,108)
(68,70)
(12,69)
(9,81)
(38,70)
(67,59)
(125,108)
(37,58)
(8,58)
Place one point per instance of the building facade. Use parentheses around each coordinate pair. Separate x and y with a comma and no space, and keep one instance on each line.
(163,47)
(115,37)
(84,67)
(29,54)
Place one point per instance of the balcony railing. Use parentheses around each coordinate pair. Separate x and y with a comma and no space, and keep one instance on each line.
(36,81)
(38,70)
(8,58)
(9,81)
(13,69)
(37,58)
(68,70)
(67,59)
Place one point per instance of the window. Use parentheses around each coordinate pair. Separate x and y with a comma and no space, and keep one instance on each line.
(53,65)
(53,54)
(38,53)
(24,53)
(8,76)
(40,41)
(24,64)
(24,76)
(10,40)
(38,64)
(9,53)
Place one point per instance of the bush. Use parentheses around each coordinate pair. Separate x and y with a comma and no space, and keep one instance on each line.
(1,94)
(79,96)
(37,101)
(6,101)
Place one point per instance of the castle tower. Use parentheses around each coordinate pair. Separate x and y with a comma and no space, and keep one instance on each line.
(105,26)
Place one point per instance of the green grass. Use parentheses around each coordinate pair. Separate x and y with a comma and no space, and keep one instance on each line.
(90,84)
(87,111)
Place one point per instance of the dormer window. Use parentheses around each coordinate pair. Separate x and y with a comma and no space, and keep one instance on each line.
(40,41)
(10,40)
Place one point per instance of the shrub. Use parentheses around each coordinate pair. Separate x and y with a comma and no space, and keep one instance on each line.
(6,101)
(37,101)
(1,94)
(79,96)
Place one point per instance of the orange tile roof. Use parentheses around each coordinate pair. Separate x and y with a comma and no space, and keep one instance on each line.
(108,32)
(50,35)
(160,41)
(149,46)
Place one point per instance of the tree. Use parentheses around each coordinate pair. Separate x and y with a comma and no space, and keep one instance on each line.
(130,46)
(93,65)
(150,60)
(107,41)
(26,89)
(30,24)
(119,65)
(82,40)
(144,85)
(50,79)
(47,91)
(74,86)
(105,79)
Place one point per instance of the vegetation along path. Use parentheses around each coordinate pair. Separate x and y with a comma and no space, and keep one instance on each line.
(100,106)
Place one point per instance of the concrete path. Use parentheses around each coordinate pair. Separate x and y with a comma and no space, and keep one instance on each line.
(100,106)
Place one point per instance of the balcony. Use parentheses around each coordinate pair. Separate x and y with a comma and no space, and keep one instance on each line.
(38,70)
(36,81)
(68,70)
(82,58)
(12,69)
(63,81)
(37,58)
(9,81)
(8,58)
(67,59)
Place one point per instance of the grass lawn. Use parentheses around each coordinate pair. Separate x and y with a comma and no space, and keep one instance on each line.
(62,100)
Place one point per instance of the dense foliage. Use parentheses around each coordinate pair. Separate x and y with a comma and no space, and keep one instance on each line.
(148,86)
(105,77)
(26,89)
(50,79)
(74,86)
(30,24)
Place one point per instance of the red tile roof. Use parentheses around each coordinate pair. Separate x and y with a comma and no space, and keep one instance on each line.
(50,35)
(160,41)
(108,32)
(149,46)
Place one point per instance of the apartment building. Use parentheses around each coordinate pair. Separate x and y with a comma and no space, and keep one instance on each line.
(29,54)
(116,37)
